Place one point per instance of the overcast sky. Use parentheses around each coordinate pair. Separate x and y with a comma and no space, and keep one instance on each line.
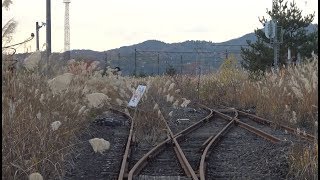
(106,24)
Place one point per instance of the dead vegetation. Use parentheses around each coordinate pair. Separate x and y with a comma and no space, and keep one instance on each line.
(33,102)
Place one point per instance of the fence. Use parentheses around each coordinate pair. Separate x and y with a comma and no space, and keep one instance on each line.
(149,62)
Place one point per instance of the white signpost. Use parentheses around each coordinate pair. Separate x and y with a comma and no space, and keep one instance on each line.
(137,96)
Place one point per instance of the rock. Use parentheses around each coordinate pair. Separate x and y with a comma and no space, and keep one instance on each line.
(35,176)
(99,144)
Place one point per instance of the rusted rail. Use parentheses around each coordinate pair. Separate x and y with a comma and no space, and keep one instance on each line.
(179,153)
(247,126)
(261,120)
(172,139)
(213,141)
(206,146)
(289,129)
(124,164)
(144,160)
(203,146)
(258,132)
(156,150)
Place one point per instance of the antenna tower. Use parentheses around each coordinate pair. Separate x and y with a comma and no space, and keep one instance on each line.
(276,40)
(66,30)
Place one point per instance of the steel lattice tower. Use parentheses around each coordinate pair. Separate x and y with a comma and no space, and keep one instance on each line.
(67,30)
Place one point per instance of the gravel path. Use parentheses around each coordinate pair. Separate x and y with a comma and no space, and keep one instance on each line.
(90,165)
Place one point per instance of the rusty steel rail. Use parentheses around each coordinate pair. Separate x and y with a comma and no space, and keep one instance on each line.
(212,141)
(203,146)
(249,128)
(246,126)
(124,164)
(194,126)
(144,160)
(156,150)
(261,120)
(179,153)
(257,131)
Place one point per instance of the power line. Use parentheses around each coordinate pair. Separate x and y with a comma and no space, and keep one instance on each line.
(192,52)
(187,52)
(229,45)
(29,39)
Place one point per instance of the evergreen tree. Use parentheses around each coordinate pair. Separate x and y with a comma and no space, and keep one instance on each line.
(260,54)
(171,71)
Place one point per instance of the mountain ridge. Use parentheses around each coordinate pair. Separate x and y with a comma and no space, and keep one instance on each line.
(125,56)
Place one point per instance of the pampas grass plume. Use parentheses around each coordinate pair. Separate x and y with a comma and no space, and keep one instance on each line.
(55,125)
(81,110)
(156,107)
(171,86)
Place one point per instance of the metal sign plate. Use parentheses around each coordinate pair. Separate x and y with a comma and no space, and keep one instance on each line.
(269,29)
(137,96)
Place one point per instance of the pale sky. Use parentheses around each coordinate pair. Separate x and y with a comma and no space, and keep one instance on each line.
(107,24)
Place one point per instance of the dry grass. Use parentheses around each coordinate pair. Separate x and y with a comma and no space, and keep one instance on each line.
(28,142)
(29,107)
(289,97)
(303,162)
(30,145)
(161,92)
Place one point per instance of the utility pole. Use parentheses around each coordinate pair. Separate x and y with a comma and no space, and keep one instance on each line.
(135,62)
(158,64)
(226,53)
(106,65)
(275,46)
(48,29)
(37,34)
(66,30)
(198,86)
(181,64)
(118,64)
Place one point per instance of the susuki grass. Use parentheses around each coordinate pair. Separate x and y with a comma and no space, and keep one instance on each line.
(42,116)
(37,126)
(289,96)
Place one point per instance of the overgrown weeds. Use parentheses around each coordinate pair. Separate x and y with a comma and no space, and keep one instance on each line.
(30,105)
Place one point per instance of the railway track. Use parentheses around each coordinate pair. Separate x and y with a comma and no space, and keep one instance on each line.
(141,155)
(200,150)
(284,132)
